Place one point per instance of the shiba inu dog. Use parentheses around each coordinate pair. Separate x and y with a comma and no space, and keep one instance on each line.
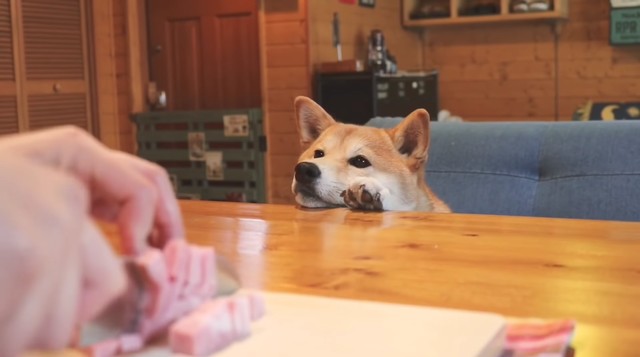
(362,167)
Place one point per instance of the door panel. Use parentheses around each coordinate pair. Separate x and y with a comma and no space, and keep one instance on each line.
(236,77)
(48,110)
(56,63)
(53,39)
(6,43)
(205,53)
(8,115)
(184,47)
(8,97)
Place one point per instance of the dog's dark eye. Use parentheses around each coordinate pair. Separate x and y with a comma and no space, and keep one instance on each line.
(318,153)
(359,161)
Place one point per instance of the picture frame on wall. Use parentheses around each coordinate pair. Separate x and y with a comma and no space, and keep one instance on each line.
(624,3)
(624,26)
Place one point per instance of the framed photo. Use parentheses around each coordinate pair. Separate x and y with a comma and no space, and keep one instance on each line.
(214,166)
(625,26)
(236,125)
(625,3)
(196,142)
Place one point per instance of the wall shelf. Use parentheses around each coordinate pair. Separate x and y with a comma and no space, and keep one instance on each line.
(559,11)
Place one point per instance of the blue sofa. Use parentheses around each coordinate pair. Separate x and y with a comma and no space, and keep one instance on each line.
(588,170)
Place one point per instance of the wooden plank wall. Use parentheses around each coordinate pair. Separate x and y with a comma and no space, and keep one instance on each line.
(589,68)
(107,101)
(356,23)
(286,74)
(110,38)
(525,72)
(123,78)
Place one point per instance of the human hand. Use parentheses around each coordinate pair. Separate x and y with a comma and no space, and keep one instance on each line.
(57,268)
(135,193)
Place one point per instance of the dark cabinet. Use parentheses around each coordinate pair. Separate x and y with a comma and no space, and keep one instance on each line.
(357,97)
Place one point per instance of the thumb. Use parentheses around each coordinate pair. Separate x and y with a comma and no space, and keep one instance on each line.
(103,275)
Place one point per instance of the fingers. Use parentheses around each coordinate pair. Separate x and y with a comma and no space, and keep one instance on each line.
(168,218)
(63,291)
(103,173)
(40,254)
(103,276)
(134,192)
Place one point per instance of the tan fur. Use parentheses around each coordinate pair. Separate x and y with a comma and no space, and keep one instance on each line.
(397,157)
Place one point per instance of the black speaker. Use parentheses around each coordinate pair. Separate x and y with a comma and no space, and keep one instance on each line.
(359,96)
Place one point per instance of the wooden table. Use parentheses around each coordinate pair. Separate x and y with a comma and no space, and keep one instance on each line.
(524,267)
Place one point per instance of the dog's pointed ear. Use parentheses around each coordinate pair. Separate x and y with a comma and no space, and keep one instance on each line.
(311,120)
(411,136)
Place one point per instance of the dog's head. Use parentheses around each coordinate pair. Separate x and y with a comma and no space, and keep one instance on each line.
(336,153)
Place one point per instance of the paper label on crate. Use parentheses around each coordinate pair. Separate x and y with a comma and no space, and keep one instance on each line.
(214,167)
(196,142)
(625,3)
(236,125)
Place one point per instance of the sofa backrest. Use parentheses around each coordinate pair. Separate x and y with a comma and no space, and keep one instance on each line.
(585,170)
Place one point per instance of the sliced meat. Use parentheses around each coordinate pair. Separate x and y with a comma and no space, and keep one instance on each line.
(131,343)
(103,349)
(205,331)
(177,255)
(257,303)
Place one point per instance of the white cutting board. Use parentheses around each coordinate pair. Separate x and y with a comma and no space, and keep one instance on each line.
(309,326)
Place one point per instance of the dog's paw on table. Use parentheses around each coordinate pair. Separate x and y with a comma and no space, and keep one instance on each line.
(366,194)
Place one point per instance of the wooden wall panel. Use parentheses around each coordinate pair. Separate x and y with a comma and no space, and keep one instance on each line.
(356,23)
(589,68)
(111,32)
(526,72)
(286,74)
(105,67)
(123,75)
(494,72)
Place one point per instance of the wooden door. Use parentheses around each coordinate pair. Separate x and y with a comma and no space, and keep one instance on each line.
(44,65)
(56,71)
(205,53)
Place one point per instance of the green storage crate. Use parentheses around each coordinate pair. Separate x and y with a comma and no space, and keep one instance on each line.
(215,155)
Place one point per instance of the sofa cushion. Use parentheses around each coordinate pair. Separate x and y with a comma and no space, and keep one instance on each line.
(590,170)
(566,169)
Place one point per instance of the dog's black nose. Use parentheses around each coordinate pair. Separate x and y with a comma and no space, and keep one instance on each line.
(307,172)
